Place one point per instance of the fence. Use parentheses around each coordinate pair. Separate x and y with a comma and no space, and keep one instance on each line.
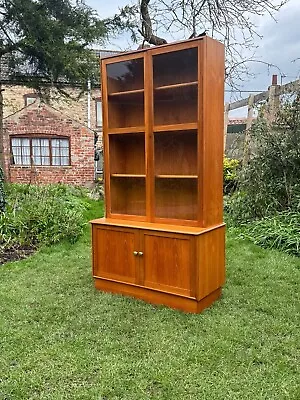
(272,99)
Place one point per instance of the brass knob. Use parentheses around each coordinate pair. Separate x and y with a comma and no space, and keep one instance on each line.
(135,253)
(141,253)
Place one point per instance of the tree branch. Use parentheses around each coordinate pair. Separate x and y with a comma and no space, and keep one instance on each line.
(147,31)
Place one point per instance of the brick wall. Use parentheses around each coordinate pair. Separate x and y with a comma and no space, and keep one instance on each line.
(75,106)
(40,119)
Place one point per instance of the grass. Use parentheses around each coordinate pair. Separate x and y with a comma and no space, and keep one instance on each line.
(62,339)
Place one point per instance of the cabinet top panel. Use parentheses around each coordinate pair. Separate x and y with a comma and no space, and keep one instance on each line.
(190,230)
(180,45)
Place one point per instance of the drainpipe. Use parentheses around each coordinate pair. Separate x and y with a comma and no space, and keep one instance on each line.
(89,116)
(89,103)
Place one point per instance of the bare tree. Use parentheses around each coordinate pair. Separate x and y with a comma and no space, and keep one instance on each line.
(147,31)
(231,21)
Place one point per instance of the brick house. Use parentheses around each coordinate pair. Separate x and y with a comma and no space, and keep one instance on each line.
(43,145)
(83,107)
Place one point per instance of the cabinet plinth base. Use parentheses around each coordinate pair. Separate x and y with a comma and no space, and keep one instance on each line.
(190,305)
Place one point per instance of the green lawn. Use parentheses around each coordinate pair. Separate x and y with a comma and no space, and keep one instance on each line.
(62,339)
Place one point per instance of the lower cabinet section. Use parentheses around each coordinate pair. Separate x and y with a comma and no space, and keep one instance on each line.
(182,270)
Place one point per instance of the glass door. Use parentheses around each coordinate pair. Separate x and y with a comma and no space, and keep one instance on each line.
(126,137)
(175,98)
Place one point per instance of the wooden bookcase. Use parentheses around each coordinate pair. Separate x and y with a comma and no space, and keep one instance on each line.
(162,238)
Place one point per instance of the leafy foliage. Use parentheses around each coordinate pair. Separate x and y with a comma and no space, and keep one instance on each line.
(230,173)
(271,181)
(2,193)
(267,201)
(46,40)
(45,44)
(281,231)
(37,215)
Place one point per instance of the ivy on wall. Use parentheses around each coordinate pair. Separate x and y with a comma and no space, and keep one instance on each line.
(2,194)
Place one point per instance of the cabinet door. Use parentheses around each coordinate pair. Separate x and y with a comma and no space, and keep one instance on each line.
(169,263)
(115,254)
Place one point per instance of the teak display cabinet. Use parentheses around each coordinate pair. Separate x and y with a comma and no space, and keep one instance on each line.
(162,238)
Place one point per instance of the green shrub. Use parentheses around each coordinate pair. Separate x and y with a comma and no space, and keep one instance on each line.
(230,174)
(280,231)
(267,199)
(270,182)
(2,193)
(37,215)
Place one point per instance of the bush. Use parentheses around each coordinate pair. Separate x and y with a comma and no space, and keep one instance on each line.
(37,215)
(267,199)
(230,168)
(281,231)
(270,182)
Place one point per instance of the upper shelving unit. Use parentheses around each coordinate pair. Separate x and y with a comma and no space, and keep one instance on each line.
(162,145)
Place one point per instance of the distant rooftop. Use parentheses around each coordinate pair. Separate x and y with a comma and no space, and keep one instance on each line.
(4,62)
(106,53)
(237,121)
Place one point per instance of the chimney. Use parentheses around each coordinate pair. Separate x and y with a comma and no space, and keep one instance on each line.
(274,80)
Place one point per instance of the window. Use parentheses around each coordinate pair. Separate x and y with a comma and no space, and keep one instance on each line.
(40,151)
(98,113)
(30,98)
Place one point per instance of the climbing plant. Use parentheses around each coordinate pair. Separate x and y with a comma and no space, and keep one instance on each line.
(2,193)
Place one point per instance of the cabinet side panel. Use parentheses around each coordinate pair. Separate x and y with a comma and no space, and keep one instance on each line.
(213,132)
(211,261)
(113,256)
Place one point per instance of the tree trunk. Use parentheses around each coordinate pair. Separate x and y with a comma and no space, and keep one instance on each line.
(147,31)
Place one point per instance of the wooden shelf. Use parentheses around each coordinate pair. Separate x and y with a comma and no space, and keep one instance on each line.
(177,85)
(176,127)
(127,130)
(126,93)
(128,175)
(176,176)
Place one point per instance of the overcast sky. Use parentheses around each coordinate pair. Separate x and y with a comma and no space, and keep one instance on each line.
(280,44)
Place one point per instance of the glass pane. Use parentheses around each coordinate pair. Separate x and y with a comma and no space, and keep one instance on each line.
(55,143)
(175,153)
(125,75)
(55,160)
(30,100)
(25,160)
(25,148)
(127,153)
(16,142)
(20,151)
(126,111)
(176,105)
(40,151)
(176,198)
(65,160)
(175,67)
(60,151)
(128,196)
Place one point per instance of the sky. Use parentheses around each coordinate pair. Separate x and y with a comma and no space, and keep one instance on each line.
(280,45)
